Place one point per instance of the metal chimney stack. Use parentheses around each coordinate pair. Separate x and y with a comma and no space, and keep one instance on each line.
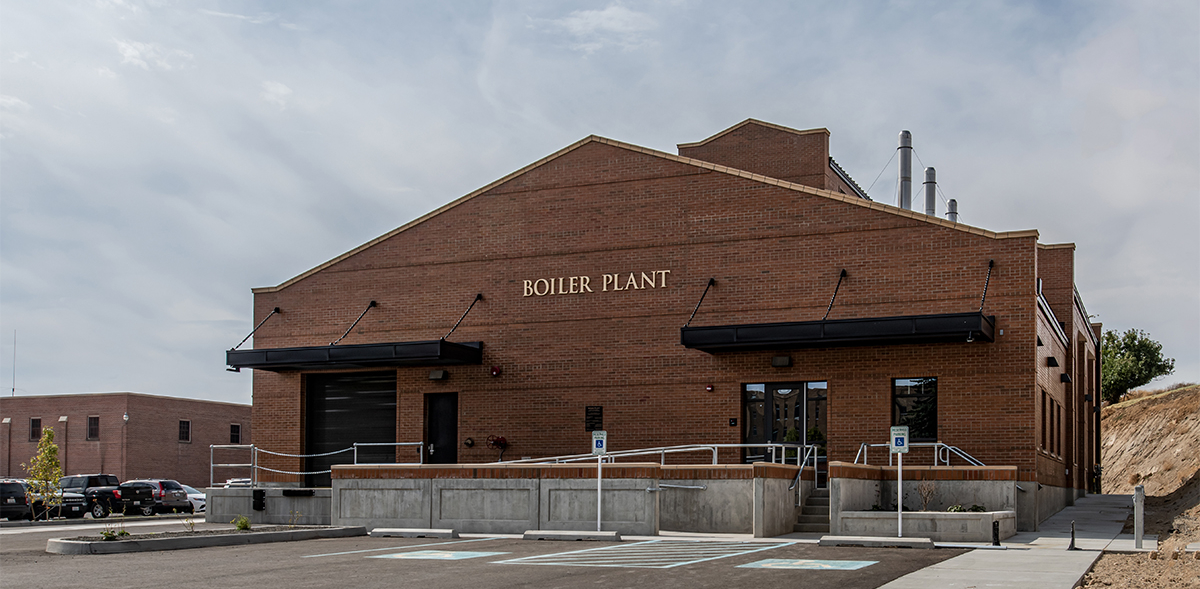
(905,170)
(952,211)
(930,192)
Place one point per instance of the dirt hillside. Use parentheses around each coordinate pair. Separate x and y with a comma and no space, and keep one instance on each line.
(1154,439)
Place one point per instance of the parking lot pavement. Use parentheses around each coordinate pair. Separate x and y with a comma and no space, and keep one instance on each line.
(493,562)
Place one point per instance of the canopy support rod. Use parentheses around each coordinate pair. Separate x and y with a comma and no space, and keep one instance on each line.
(478,297)
(711,281)
(260,324)
(835,291)
(371,304)
(985,284)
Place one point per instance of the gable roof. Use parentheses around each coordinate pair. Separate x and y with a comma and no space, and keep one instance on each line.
(754,122)
(846,198)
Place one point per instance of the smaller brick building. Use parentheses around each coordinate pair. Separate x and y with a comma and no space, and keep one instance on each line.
(130,435)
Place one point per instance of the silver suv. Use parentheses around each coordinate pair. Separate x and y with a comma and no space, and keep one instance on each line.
(169,496)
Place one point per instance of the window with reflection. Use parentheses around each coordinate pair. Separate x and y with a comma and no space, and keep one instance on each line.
(914,403)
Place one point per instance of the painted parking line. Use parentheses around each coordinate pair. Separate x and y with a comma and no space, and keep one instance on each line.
(652,554)
(809,565)
(401,547)
(437,555)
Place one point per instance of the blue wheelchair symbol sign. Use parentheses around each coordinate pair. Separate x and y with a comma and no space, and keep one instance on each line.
(899,442)
(599,443)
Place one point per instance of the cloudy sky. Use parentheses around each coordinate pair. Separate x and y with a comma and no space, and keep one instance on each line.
(158,159)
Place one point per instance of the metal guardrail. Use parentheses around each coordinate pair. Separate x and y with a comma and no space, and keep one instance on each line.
(941,453)
(255,467)
(777,452)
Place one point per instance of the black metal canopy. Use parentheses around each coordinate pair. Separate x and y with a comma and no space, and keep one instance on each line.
(874,331)
(423,353)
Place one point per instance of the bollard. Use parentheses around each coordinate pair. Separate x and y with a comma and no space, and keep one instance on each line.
(1072,546)
(995,533)
(1139,515)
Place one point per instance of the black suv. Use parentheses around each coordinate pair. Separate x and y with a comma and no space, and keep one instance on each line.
(14,501)
(104,494)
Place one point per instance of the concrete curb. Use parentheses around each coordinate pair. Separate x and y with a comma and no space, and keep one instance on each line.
(876,542)
(87,520)
(61,546)
(571,535)
(412,533)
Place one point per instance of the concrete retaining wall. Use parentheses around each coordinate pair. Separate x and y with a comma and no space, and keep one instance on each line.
(504,498)
(222,505)
(937,526)
(855,490)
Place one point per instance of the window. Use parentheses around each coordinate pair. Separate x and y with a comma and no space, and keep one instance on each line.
(914,403)
(1045,420)
(185,431)
(35,429)
(235,433)
(93,427)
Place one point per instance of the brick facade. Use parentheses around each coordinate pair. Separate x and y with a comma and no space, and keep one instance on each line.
(147,446)
(759,209)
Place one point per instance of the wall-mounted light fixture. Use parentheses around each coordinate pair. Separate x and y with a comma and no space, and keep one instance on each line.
(709,388)
(469,442)
(1064,377)
(125,417)
(496,371)
(781,361)
(1052,361)
(438,375)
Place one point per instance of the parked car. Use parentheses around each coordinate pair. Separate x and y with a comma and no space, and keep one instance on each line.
(14,500)
(168,496)
(196,498)
(66,504)
(98,489)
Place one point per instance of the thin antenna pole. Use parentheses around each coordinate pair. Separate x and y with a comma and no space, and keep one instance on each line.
(14,388)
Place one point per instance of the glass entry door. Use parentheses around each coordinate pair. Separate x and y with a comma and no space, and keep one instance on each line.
(783,412)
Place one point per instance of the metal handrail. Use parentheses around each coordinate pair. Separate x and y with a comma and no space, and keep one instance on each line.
(778,458)
(941,453)
(212,466)
(254,466)
(420,451)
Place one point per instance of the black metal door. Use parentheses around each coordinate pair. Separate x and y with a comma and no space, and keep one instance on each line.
(441,429)
(341,409)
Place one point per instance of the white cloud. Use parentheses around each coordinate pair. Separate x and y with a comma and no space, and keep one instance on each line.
(13,103)
(276,93)
(145,54)
(615,25)
(257,20)
(18,56)
(104,72)
(165,115)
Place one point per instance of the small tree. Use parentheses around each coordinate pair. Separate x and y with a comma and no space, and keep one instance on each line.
(44,470)
(1130,360)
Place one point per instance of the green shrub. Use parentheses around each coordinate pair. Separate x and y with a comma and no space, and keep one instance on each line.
(241,522)
(955,509)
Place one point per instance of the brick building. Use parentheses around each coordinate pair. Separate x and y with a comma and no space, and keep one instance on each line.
(689,298)
(130,435)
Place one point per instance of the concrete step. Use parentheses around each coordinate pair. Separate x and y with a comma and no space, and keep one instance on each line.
(813,519)
(811,528)
(817,501)
(821,510)
(819,492)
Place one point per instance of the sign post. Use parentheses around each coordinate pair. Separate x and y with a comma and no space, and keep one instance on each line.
(898,444)
(599,449)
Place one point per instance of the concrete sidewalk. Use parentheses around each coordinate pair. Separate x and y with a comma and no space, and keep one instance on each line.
(1038,559)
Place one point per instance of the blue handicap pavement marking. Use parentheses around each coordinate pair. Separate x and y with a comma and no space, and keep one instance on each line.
(437,555)
(805,564)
